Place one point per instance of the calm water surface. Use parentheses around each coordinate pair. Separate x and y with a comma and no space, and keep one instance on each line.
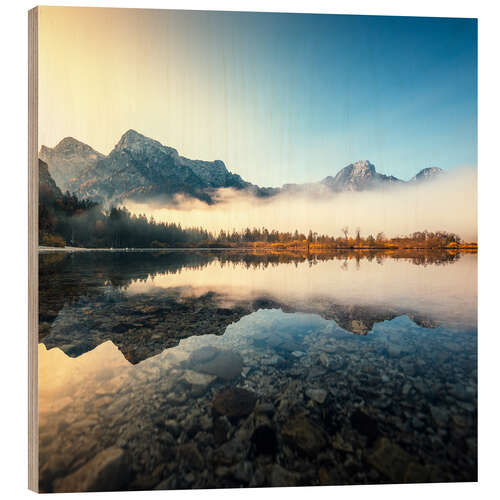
(189,369)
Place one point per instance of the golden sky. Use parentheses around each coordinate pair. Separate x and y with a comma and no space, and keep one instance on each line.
(104,71)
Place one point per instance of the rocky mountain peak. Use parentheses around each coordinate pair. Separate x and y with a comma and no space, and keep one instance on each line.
(69,142)
(131,137)
(355,177)
(133,141)
(361,168)
(70,146)
(427,173)
(67,159)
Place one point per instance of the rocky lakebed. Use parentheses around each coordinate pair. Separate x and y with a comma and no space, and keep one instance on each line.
(251,394)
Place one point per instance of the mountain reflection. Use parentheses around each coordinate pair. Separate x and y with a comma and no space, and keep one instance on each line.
(145,302)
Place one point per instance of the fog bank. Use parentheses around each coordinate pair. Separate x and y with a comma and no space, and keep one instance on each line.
(447,203)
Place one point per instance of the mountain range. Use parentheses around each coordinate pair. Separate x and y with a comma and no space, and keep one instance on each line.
(140,168)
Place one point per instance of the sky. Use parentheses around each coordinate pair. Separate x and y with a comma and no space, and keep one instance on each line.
(278,97)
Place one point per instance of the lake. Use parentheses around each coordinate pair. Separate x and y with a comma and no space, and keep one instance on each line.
(204,369)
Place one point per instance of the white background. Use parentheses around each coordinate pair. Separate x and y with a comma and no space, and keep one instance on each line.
(13,234)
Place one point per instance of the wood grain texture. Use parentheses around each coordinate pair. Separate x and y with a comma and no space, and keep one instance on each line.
(33,249)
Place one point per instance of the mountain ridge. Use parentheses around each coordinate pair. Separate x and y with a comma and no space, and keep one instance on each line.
(141,168)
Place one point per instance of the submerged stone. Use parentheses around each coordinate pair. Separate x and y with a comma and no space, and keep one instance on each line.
(107,471)
(317,395)
(323,358)
(390,459)
(365,424)
(231,452)
(304,435)
(221,430)
(189,455)
(265,441)
(440,415)
(198,382)
(234,402)
(278,476)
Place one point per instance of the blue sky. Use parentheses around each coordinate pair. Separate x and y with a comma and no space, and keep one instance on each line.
(278,97)
(401,92)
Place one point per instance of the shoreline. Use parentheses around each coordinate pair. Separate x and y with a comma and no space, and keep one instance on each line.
(465,249)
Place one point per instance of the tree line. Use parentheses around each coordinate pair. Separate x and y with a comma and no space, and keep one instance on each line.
(347,240)
(66,220)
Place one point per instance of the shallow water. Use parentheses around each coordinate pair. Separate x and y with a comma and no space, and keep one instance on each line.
(357,368)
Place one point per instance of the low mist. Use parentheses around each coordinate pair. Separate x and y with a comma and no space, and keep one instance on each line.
(448,203)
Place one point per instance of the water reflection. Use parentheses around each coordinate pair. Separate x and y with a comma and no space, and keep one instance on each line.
(141,355)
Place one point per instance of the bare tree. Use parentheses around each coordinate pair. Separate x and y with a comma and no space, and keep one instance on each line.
(345,230)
